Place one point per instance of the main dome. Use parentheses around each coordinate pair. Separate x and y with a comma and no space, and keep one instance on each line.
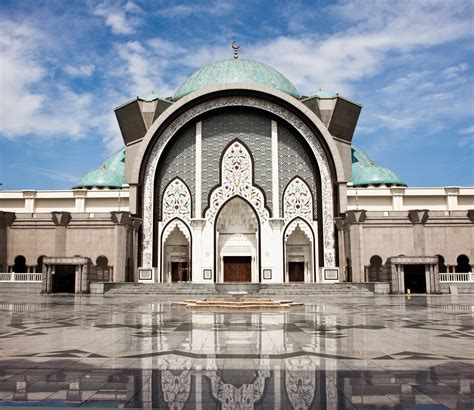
(236,71)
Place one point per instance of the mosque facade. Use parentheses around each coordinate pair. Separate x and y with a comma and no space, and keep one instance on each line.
(239,178)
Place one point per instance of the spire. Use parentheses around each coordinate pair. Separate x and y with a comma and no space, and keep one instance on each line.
(236,47)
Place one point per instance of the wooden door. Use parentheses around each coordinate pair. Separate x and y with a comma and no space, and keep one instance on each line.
(237,269)
(296,271)
(179,272)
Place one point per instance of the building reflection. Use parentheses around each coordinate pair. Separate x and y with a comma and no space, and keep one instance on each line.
(220,360)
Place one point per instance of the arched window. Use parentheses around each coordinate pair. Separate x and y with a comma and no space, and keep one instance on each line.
(463,264)
(441,266)
(19,264)
(103,270)
(39,264)
(375,268)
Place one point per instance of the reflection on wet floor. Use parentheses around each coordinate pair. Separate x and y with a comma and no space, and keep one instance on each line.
(346,352)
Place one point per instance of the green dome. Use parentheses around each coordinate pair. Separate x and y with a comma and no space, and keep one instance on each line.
(236,71)
(111,174)
(365,172)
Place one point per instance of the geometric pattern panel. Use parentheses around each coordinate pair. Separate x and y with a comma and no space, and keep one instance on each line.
(294,161)
(297,201)
(177,201)
(179,162)
(236,175)
(254,131)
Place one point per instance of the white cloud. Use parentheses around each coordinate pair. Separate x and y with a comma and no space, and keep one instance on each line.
(29,103)
(144,68)
(119,17)
(468,130)
(455,71)
(82,70)
(180,11)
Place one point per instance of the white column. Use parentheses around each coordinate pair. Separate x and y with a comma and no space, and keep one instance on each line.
(197,202)
(29,197)
(275,176)
(80,199)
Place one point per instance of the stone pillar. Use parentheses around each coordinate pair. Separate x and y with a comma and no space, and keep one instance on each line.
(6,220)
(122,221)
(275,172)
(198,193)
(355,220)
(278,269)
(80,199)
(29,197)
(84,271)
(61,221)
(78,284)
(196,251)
(136,225)
(340,225)
(452,193)
(418,218)
(397,197)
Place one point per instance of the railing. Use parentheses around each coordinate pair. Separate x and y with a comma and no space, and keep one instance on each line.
(21,277)
(456,277)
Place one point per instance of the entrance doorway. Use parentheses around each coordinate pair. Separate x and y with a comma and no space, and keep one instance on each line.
(179,272)
(237,238)
(296,271)
(237,269)
(415,278)
(64,279)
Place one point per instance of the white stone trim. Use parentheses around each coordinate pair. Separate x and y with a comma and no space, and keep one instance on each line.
(327,193)
(275,172)
(197,202)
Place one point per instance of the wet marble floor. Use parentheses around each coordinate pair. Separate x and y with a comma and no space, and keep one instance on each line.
(138,351)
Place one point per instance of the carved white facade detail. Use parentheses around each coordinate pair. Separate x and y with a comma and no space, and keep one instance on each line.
(236,173)
(298,223)
(243,397)
(275,109)
(177,201)
(297,201)
(176,224)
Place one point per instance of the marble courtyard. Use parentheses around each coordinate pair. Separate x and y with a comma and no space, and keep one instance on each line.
(336,352)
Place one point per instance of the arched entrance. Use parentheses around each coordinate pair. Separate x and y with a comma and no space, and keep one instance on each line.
(237,240)
(176,253)
(299,252)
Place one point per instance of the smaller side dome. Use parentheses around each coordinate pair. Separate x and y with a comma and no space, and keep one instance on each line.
(365,172)
(111,174)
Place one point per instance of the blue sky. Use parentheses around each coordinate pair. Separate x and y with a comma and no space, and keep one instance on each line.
(64,67)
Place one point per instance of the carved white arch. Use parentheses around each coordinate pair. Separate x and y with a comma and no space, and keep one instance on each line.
(177,223)
(176,387)
(297,201)
(157,150)
(300,382)
(303,225)
(176,201)
(243,397)
(236,177)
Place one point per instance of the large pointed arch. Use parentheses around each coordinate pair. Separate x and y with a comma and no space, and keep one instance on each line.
(237,180)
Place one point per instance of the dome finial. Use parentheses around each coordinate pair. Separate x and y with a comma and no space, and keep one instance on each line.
(236,47)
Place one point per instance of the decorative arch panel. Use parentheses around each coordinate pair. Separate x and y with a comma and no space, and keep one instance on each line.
(297,201)
(177,201)
(236,176)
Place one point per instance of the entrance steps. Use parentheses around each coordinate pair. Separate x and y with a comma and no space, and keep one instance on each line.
(249,289)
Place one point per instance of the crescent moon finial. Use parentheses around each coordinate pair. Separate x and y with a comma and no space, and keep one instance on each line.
(236,47)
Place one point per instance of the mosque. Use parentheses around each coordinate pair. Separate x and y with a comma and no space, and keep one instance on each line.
(239,178)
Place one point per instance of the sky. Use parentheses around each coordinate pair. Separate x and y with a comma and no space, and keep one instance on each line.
(65,66)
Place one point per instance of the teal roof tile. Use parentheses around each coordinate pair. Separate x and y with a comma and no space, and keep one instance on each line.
(365,172)
(111,174)
(236,71)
